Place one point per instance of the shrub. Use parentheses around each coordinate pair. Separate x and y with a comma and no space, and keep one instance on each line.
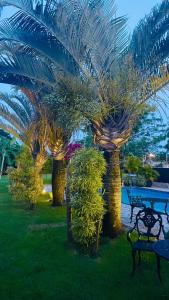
(86,171)
(133,164)
(25,181)
(138,180)
(148,172)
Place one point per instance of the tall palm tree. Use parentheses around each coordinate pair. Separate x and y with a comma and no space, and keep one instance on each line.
(85,39)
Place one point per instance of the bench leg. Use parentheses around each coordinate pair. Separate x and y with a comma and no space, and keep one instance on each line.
(158,267)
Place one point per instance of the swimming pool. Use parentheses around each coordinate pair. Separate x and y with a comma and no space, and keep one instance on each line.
(147,193)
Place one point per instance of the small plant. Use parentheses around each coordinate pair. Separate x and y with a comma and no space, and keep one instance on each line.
(25,181)
(85,180)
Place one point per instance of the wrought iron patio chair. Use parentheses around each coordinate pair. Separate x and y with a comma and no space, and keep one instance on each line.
(135,201)
(149,227)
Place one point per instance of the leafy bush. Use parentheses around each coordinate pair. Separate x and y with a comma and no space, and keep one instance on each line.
(25,182)
(86,171)
(144,174)
(138,180)
(148,172)
(133,164)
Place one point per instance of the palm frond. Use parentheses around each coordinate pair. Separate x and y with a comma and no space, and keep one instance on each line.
(24,29)
(12,130)
(149,43)
(84,33)
(25,103)
(12,118)
(14,61)
(20,81)
(11,101)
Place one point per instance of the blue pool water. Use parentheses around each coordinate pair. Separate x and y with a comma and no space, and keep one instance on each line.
(147,193)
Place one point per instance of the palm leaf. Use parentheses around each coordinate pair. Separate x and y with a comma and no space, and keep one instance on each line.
(18,80)
(22,28)
(12,118)
(12,130)
(76,28)
(23,113)
(12,58)
(149,44)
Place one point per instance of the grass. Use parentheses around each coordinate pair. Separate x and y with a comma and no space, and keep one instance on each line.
(41,265)
(47,178)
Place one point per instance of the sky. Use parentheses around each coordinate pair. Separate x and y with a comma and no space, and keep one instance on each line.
(133,9)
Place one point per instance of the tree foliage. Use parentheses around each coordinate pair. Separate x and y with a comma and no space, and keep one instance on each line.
(133,164)
(148,136)
(9,149)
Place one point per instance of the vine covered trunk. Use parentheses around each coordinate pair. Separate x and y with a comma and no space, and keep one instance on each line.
(58,182)
(112,196)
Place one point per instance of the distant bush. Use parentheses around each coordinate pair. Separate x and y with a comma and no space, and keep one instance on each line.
(148,172)
(144,174)
(138,180)
(86,171)
(25,182)
(133,164)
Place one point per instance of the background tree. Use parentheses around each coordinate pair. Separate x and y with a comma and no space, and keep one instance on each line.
(148,136)
(27,122)
(9,149)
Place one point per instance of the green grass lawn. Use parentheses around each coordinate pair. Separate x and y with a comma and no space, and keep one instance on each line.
(39,264)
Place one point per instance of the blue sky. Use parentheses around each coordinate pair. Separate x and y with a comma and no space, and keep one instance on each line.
(133,9)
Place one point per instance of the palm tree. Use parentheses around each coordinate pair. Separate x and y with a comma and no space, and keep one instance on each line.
(87,40)
(30,121)
(26,122)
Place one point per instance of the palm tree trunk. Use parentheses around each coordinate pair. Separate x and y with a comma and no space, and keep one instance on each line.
(58,182)
(112,186)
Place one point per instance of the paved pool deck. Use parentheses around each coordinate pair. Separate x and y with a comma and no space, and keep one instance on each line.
(125,212)
(157,189)
(125,217)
